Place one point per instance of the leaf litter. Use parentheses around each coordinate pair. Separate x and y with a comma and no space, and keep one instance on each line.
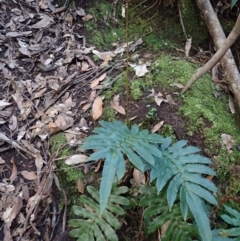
(50,84)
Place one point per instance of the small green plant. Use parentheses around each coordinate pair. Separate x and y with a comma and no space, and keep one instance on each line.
(179,195)
(177,167)
(151,113)
(92,224)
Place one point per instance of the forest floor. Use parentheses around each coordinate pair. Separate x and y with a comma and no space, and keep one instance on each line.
(62,70)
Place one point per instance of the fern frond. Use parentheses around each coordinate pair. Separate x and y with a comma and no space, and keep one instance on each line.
(91,225)
(232,219)
(181,169)
(157,214)
(112,141)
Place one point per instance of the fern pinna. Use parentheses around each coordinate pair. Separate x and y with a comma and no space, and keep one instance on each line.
(177,167)
(93,226)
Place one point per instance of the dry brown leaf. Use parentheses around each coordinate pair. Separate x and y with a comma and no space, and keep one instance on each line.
(80,185)
(86,107)
(180,86)
(2,161)
(170,100)
(138,177)
(96,81)
(38,163)
(76,159)
(188,46)
(14,171)
(157,126)
(158,100)
(46,20)
(231,104)
(115,105)
(13,123)
(87,17)
(15,210)
(97,108)
(29,175)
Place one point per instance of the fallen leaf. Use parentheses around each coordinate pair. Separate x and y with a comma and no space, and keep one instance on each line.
(158,100)
(76,159)
(3,103)
(46,20)
(14,171)
(170,100)
(140,70)
(97,108)
(157,126)
(13,123)
(188,46)
(80,185)
(96,81)
(115,105)
(228,142)
(180,86)
(87,17)
(231,104)
(29,175)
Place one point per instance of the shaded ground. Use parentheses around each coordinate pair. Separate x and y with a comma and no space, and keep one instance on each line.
(45,80)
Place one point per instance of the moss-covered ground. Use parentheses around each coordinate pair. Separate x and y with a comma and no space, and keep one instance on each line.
(206,116)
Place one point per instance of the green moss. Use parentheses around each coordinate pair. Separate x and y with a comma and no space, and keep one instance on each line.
(136,91)
(67,175)
(166,131)
(206,115)
(108,114)
(193,23)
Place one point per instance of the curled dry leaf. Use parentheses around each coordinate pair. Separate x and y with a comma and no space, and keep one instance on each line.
(14,171)
(96,81)
(29,175)
(115,105)
(80,185)
(97,108)
(157,126)
(76,159)
(46,20)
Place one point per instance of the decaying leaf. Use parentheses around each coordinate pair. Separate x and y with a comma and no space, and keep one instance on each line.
(157,126)
(46,20)
(80,185)
(97,108)
(140,70)
(29,175)
(14,171)
(188,46)
(228,142)
(96,81)
(115,105)
(76,159)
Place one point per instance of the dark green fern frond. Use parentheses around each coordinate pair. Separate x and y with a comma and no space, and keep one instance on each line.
(112,141)
(91,225)
(157,214)
(181,169)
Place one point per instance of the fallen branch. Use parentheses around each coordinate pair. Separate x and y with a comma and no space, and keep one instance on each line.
(223,45)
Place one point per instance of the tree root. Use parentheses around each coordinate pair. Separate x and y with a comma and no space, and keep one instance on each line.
(224,53)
